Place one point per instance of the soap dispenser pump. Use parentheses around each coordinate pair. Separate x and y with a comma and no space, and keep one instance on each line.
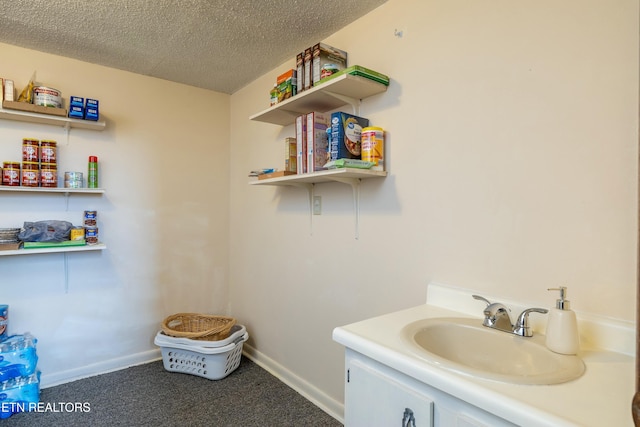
(562,326)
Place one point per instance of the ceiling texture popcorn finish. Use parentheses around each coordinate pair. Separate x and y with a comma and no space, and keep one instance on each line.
(220,45)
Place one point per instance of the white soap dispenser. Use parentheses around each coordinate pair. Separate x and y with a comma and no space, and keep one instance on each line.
(562,326)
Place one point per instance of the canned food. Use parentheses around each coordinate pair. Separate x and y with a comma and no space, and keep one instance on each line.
(48,151)
(91,235)
(11,174)
(90,218)
(73,180)
(30,174)
(30,150)
(73,184)
(49,175)
(73,176)
(47,97)
(372,145)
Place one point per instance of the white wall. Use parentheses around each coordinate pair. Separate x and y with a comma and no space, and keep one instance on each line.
(512,134)
(164,161)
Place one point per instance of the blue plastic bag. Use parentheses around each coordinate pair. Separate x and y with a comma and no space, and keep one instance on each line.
(45,231)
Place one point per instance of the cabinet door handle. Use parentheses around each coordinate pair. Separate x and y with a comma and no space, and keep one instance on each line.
(408,420)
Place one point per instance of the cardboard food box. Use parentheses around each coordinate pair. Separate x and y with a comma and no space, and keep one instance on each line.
(287,85)
(275,174)
(301,144)
(317,141)
(308,68)
(345,136)
(8,90)
(10,246)
(290,154)
(31,108)
(322,55)
(300,72)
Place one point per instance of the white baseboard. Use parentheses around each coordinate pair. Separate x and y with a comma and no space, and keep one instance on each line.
(50,380)
(306,389)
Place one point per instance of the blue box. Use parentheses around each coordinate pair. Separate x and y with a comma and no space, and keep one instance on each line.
(76,101)
(91,103)
(76,112)
(91,114)
(345,136)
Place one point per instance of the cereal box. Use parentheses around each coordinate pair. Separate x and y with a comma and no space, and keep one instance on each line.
(345,136)
(323,54)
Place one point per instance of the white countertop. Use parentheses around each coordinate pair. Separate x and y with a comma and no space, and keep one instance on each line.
(601,397)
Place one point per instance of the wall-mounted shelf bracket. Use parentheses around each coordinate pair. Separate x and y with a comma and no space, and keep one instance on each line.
(352,177)
(355,187)
(354,102)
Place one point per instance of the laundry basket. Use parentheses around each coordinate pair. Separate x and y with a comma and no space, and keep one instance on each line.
(213,360)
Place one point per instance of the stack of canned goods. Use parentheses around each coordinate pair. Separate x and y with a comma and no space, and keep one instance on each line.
(30,165)
(90,223)
(48,163)
(73,180)
(39,165)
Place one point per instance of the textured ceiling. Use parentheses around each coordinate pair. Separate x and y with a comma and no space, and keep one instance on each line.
(220,45)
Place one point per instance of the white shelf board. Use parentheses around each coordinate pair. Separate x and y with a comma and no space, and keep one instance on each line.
(325,97)
(332,175)
(65,122)
(84,248)
(21,189)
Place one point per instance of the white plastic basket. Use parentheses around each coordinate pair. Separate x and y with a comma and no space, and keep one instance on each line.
(209,359)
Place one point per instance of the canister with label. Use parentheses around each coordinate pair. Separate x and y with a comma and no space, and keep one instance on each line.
(90,218)
(48,151)
(92,180)
(30,150)
(48,175)
(11,174)
(372,144)
(91,235)
(47,97)
(30,174)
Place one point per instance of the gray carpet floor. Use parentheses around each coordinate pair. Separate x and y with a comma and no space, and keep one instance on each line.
(148,395)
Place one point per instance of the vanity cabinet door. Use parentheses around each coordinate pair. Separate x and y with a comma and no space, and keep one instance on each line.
(375,399)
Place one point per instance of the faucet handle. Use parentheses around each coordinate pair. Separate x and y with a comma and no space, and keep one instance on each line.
(481,298)
(522,324)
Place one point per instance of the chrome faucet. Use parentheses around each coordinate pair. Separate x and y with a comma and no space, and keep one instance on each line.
(496,316)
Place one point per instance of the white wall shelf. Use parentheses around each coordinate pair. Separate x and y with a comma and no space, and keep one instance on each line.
(64,249)
(65,191)
(65,122)
(343,90)
(344,175)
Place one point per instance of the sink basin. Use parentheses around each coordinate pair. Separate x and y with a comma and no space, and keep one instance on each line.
(465,346)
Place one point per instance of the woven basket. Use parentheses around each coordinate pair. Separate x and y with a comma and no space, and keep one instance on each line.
(198,326)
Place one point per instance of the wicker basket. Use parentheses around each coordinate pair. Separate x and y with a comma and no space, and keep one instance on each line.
(198,326)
